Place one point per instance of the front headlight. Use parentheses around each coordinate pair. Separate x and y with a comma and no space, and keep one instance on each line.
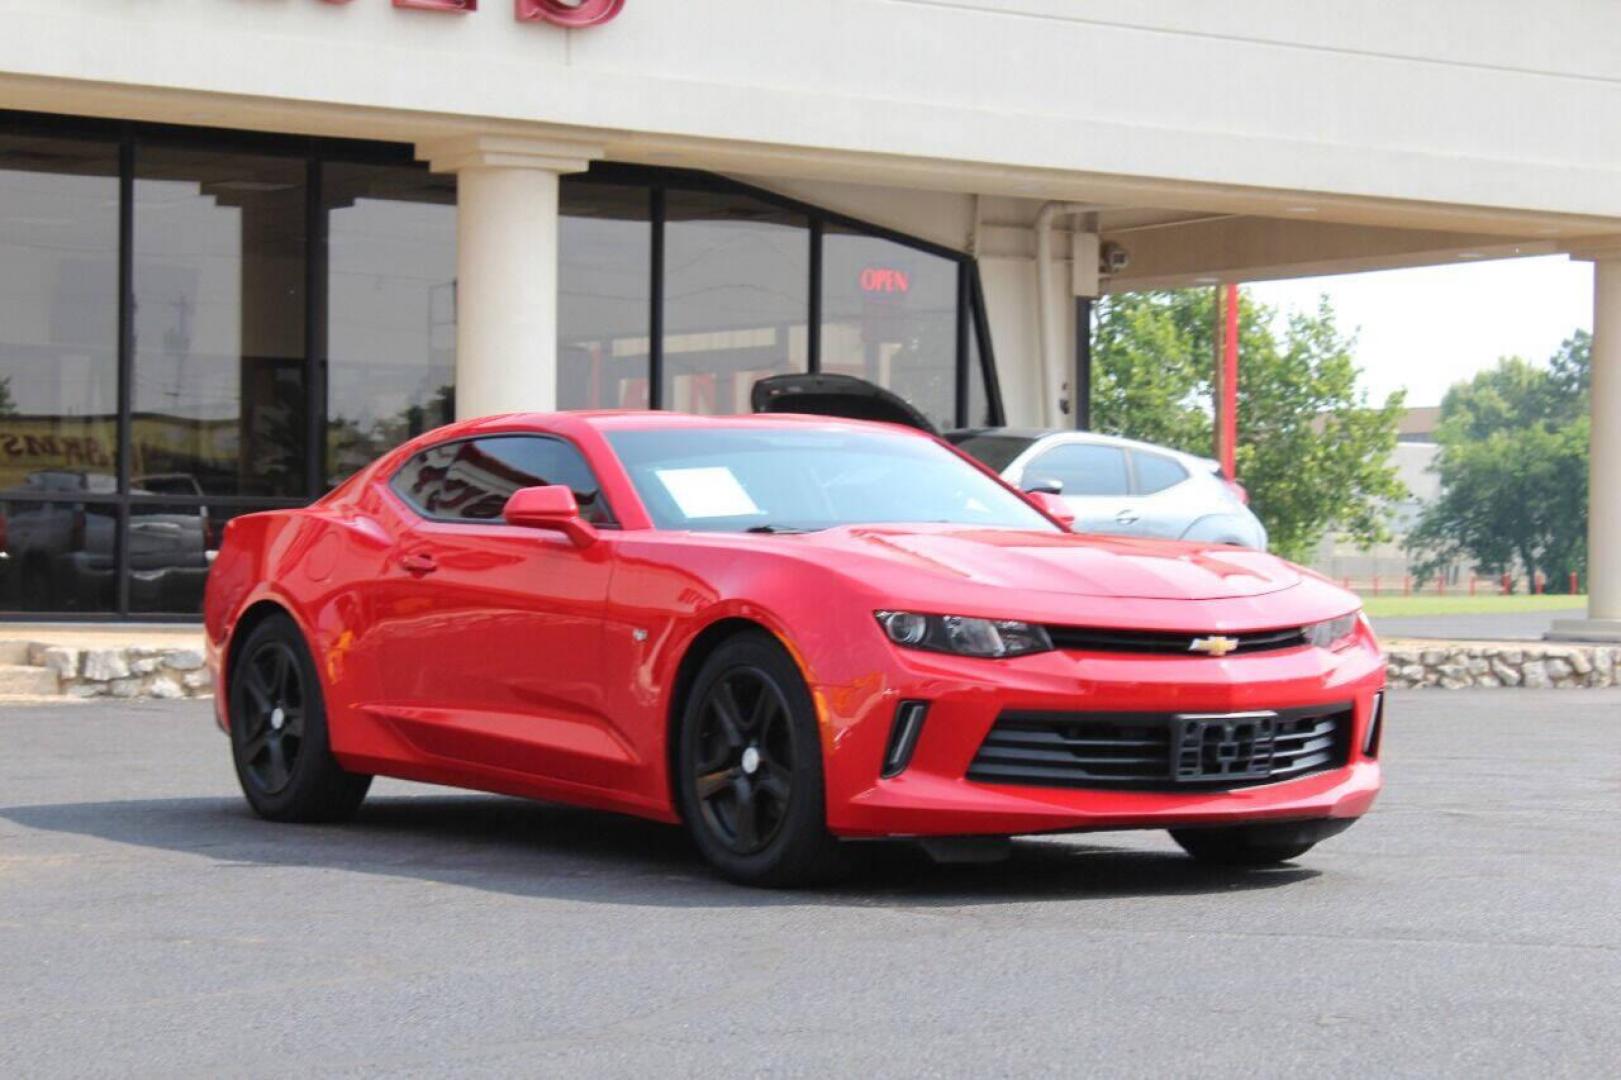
(963,635)
(1333,634)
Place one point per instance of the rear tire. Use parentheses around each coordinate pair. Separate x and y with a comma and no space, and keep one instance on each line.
(279,739)
(749,778)
(1257,845)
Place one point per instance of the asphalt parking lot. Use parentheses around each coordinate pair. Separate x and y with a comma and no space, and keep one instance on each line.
(150,926)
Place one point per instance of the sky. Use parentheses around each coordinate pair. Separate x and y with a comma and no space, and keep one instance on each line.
(1428,328)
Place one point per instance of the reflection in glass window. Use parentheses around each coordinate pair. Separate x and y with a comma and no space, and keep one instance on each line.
(471,480)
(1082,469)
(58,556)
(736,298)
(58,308)
(889,315)
(605,256)
(390,309)
(168,555)
(219,319)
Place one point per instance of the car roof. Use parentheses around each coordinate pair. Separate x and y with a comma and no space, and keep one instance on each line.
(660,420)
(1037,434)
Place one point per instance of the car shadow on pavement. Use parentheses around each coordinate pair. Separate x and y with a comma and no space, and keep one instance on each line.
(534,849)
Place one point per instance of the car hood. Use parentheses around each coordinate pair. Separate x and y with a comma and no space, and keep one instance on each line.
(1065,564)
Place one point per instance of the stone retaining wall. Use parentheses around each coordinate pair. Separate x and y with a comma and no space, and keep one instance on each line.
(178,672)
(1456,665)
(132,671)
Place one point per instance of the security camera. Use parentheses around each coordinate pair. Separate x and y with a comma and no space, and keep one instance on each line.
(1112,258)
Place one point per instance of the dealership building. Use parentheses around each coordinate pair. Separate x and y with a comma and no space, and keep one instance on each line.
(245,245)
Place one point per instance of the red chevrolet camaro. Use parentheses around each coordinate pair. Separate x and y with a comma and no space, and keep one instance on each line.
(785,632)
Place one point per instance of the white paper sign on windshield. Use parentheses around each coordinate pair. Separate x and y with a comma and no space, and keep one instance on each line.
(711,492)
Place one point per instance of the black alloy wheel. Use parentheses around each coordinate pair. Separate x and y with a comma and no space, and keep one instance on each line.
(748,768)
(279,740)
(271,706)
(745,760)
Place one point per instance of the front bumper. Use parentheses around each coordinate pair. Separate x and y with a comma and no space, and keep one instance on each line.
(934,797)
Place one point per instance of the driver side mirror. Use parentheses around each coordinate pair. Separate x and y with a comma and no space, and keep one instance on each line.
(551,507)
(1044,484)
(1053,506)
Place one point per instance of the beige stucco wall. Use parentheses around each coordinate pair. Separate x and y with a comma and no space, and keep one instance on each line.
(1480,102)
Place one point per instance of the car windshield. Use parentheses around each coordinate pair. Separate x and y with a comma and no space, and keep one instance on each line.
(735,479)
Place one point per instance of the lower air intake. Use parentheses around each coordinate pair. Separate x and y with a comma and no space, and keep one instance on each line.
(1163,751)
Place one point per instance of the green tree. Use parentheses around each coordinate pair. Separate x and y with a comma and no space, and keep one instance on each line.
(1513,469)
(1313,453)
(7,404)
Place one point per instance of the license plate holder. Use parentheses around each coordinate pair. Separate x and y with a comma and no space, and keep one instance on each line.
(1223,746)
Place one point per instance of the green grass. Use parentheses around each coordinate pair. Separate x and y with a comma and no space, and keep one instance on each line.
(1464,604)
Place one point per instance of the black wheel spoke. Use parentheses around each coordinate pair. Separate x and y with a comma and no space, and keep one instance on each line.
(294,723)
(278,769)
(280,674)
(714,783)
(774,783)
(748,831)
(765,710)
(255,744)
(724,704)
(258,689)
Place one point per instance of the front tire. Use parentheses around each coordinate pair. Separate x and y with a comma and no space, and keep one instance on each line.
(279,738)
(749,769)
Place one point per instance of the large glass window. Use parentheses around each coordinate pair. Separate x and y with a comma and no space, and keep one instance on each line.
(58,372)
(390,309)
(605,259)
(736,298)
(219,281)
(264,277)
(889,315)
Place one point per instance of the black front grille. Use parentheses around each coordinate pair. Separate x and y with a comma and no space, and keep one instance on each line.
(1083,639)
(1162,751)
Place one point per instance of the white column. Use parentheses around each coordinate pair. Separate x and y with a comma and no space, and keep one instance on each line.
(1603,622)
(506,266)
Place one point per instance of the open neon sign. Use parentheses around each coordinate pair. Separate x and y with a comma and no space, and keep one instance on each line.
(575,15)
(885,279)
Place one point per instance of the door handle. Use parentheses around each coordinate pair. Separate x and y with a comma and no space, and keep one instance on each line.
(1126,517)
(419,563)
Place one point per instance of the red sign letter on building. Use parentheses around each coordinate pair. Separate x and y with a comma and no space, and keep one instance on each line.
(576,15)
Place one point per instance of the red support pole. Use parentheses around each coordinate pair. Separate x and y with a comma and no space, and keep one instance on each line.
(1541,580)
(1472,582)
(1440,584)
(1407,585)
(1573,583)
(1227,408)
(1508,584)
(1376,584)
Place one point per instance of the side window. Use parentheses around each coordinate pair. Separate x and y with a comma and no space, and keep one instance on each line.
(1156,472)
(470,480)
(1083,469)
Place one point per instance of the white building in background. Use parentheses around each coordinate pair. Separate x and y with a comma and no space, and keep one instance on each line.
(1387,568)
(250,242)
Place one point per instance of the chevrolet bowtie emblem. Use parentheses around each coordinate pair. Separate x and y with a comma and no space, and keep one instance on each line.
(1213,646)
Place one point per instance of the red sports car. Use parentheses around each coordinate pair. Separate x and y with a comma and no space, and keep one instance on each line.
(784,632)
